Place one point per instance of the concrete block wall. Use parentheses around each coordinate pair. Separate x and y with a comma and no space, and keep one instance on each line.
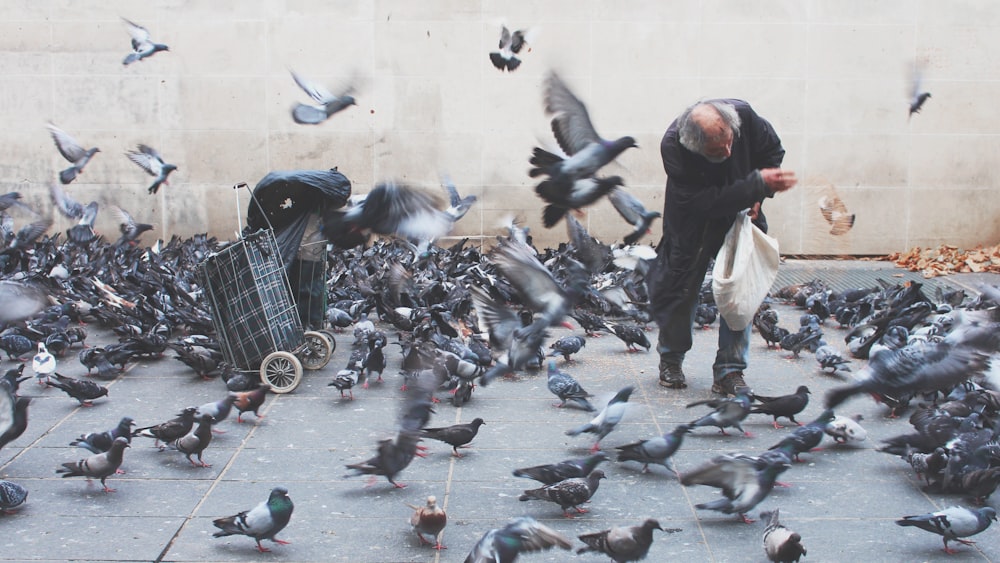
(830,74)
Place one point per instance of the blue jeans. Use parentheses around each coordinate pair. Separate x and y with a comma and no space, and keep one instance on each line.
(676,334)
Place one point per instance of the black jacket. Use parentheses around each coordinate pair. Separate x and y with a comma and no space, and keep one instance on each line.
(702,198)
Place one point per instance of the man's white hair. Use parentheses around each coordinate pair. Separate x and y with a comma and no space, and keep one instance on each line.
(692,136)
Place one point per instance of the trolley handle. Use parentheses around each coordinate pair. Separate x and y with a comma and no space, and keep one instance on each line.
(239,216)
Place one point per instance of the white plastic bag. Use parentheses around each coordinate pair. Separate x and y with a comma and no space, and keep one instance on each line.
(744,271)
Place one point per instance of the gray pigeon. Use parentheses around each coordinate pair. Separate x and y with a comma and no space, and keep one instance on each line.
(743,484)
(131,231)
(142,45)
(781,545)
(393,456)
(521,535)
(829,358)
(149,159)
(262,522)
(458,206)
(218,410)
(607,419)
(12,496)
(634,212)
(624,544)
(953,523)
(511,43)
(195,442)
(917,94)
(98,466)
(564,386)
(71,150)
(569,493)
(329,103)
(100,442)
(567,346)
(655,450)
(552,473)
(728,413)
(13,417)
(85,215)
(388,209)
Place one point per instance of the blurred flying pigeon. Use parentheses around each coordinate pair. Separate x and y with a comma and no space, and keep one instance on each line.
(82,390)
(728,413)
(607,419)
(835,213)
(392,456)
(564,197)
(12,379)
(388,209)
(329,103)
(456,435)
(76,155)
(522,535)
(634,212)
(98,466)
(566,346)
(743,484)
(218,410)
(262,522)
(564,386)
(510,45)
(569,493)
(149,159)
(781,545)
(83,231)
(194,443)
(131,231)
(552,473)
(142,45)
(623,544)
(100,442)
(953,523)
(458,206)
(429,519)
(917,95)
(845,429)
(657,450)
(13,417)
(12,496)
(783,406)
(20,300)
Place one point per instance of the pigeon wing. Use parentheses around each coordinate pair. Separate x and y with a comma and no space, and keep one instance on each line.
(571,123)
(67,145)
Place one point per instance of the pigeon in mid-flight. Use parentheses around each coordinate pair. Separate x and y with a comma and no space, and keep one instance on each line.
(836,214)
(389,208)
(953,523)
(149,159)
(634,212)
(917,94)
(744,482)
(329,103)
(85,215)
(458,206)
(130,229)
(72,151)
(13,417)
(262,522)
(511,43)
(521,535)
(142,45)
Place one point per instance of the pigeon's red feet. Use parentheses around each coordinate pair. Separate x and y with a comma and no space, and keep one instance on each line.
(777,426)
(439,546)
(746,519)
(280,542)
(108,489)
(747,434)
(595,448)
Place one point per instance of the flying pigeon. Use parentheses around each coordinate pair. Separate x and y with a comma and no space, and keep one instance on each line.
(43,364)
(149,159)
(12,496)
(624,544)
(82,390)
(458,206)
(953,523)
(655,450)
(743,484)
(607,419)
(521,535)
(634,213)
(562,385)
(18,301)
(71,150)
(728,413)
(329,103)
(262,522)
(783,406)
(429,519)
(131,231)
(13,417)
(569,493)
(388,209)
(562,197)
(98,466)
(100,442)
(917,94)
(392,456)
(511,43)
(835,213)
(781,545)
(142,45)
(552,473)
(456,435)
(195,442)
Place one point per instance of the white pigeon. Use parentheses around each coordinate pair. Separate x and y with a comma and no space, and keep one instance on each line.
(846,429)
(44,364)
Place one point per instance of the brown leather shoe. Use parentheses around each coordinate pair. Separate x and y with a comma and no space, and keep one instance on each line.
(729,384)
(671,375)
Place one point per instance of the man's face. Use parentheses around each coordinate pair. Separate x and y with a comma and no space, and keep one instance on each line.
(719,146)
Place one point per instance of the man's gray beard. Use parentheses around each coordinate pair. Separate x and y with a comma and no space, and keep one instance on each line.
(716,159)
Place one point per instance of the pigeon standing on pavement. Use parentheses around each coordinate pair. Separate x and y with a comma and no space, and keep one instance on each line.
(85,215)
(429,519)
(149,159)
(552,473)
(329,103)
(142,45)
(251,401)
(607,419)
(72,151)
(783,406)
(218,410)
(43,364)
(805,438)
(98,466)
(345,380)
(624,544)
(728,413)
(569,493)
(567,346)
(655,450)
(170,430)
(456,435)
(262,522)
(781,545)
(521,535)
(632,336)
(12,496)
(100,442)
(84,391)
(953,523)
(564,386)
(195,442)
(830,358)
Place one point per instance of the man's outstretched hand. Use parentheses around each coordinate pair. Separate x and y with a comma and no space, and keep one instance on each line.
(778,180)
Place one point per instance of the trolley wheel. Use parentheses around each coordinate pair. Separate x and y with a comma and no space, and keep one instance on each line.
(317,351)
(329,336)
(282,371)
